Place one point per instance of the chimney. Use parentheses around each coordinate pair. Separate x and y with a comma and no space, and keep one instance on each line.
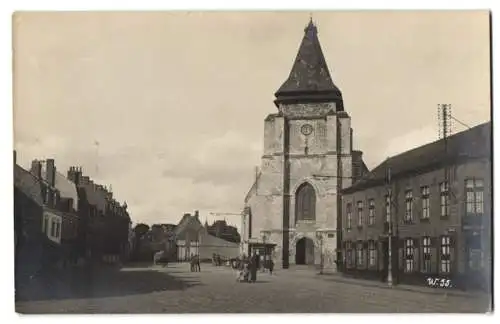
(50,172)
(75,175)
(36,169)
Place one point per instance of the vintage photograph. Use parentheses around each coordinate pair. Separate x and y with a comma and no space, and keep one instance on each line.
(252,162)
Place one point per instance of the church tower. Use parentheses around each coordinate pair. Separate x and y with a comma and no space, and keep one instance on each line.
(294,203)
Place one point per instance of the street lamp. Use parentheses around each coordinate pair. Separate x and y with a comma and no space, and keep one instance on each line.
(319,236)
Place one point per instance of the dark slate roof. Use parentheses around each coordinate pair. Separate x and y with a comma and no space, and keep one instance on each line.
(470,144)
(28,184)
(309,79)
(95,197)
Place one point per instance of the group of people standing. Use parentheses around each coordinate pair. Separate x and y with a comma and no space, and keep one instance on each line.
(247,267)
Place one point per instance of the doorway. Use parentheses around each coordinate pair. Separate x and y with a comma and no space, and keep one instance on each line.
(304,251)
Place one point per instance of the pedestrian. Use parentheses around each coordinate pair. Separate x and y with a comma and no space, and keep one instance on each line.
(197,264)
(254,264)
(271,266)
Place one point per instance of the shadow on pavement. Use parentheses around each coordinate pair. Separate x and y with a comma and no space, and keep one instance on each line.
(92,283)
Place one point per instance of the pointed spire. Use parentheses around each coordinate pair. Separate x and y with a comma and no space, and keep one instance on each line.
(309,79)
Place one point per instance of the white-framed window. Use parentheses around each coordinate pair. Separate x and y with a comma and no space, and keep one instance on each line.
(359,254)
(372,252)
(408,206)
(371,212)
(388,208)
(445,199)
(426,255)
(349,216)
(474,202)
(360,212)
(445,254)
(58,230)
(409,252)
(425,193)
(53,228)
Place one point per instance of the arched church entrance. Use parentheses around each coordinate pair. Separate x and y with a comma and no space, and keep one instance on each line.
(304,251)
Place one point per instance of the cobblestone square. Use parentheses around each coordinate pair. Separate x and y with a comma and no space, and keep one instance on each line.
(174,289)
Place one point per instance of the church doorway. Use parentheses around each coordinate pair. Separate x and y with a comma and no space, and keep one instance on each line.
(304,251)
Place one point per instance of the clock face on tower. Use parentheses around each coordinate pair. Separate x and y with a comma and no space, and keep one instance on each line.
(306,129)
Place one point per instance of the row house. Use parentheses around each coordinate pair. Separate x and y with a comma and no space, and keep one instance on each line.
(45,218)
(106,223)
(434,203)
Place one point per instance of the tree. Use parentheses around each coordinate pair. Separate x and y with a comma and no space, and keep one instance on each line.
(140,230)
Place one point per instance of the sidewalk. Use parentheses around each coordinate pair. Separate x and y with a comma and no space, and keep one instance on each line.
(338,277)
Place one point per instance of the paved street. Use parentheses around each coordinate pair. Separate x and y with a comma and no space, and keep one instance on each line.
(174,289)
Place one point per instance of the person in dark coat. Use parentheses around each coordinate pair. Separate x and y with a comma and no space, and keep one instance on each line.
(254,265)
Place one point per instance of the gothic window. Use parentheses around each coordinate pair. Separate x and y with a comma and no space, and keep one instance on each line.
(305,206)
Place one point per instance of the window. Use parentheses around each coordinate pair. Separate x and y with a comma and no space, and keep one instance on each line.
(408,206)
(388,208)
(58,229)
(349,216)
(349,255)
(360,213)
(409,249)
(425,193)
(445,255)
(359,254)
(305,203)
(474,189)
(53,228)
(371,212)
(426,255)
(371,253)
(445,199)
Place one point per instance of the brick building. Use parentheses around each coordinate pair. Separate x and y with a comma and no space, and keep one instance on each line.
(291,209)
(439,201)
(223,230)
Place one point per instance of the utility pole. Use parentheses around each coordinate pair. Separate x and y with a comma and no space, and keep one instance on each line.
(389,246)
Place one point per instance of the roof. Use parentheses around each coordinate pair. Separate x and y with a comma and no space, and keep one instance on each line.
(95,197)
(28,184)
(66,188)
(186,220)
(470,144)
(309,79)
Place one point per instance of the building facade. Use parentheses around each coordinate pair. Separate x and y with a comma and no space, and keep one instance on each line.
(436,200)
(291,209)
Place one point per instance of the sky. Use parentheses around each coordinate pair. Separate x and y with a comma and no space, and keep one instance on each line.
(168,107)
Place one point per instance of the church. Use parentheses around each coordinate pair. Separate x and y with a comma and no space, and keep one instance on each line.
(292,211)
